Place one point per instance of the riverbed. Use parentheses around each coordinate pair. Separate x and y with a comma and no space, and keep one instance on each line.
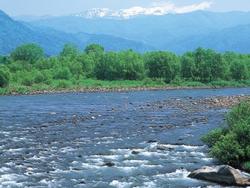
(116,140)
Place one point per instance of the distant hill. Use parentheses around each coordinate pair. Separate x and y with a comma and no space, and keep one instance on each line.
(175,32)
(235,39)
(14,33)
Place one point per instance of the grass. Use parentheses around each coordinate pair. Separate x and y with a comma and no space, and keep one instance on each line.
(88,84)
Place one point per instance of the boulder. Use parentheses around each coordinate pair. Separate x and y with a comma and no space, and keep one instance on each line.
(109,164)
(135,152)
(223,174)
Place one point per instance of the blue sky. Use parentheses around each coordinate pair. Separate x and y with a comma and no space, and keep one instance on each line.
(64,7)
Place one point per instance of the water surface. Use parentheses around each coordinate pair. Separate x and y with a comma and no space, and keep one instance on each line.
(105,139)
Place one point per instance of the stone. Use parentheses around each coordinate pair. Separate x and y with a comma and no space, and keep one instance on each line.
(135,152)
(223,174)
(109,164)
(151,141)
(82,182)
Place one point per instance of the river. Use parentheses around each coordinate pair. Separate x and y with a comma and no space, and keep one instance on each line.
(116,140)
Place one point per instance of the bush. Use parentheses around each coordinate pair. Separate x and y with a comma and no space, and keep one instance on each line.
(164,65)
(40,78)
(214,136)
(228,150)
(242,132)
(239,70)
(232,145)
(4,78)
(27,52)
(62,84)
(63,74)
(27,80)
(239,113)
(246,166)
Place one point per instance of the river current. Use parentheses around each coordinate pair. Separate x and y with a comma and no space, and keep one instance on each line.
(113,140)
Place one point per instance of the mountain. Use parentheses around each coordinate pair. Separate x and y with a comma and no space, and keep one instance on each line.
(235,39)
(174,32)
(14,33)
(162,32)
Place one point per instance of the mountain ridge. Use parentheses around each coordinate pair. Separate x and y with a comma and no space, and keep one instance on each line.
(15,33)
(180,33)
(161,32)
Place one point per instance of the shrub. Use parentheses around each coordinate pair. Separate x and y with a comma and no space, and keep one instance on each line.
(232,145)
(246,166)
(28,52)
(162,65)
(228,150)
(239,113)
(239,70)
(4,78)
(242,132)
(40,78)
(27,80)
(214,136)
(63,84)
(63,74)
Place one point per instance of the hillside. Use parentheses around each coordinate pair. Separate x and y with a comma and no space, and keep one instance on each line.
(230,39)
(162,32)
(14,33)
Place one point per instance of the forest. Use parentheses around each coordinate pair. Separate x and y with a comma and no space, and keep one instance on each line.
(28,68)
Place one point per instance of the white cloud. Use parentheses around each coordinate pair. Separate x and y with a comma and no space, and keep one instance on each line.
(190,8)
(165,8)
(157,8)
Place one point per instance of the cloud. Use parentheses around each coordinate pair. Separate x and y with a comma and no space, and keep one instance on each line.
(157,8)
(163,8)
(200,6)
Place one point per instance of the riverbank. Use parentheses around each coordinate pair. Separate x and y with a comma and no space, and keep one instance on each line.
(91,85)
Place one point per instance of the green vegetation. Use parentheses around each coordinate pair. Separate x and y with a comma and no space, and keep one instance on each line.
(4,78)
(231,145)
(28,69)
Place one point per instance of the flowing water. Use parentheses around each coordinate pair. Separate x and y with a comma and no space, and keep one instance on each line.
(106,139)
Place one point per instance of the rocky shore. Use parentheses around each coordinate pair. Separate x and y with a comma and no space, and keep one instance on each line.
(191,104)
(107,89)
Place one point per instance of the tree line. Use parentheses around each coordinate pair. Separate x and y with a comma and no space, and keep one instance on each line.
(28,65)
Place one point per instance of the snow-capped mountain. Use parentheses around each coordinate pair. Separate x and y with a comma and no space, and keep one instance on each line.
(158,10)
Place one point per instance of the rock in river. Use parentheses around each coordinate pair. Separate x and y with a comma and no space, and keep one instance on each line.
(223,174)
(109,164)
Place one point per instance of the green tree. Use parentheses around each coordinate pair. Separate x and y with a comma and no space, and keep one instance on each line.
(3,59)
(94,49)
(132,65)
(188,67)
(76,68)
(203,69)
(88,64)
(4,78)
(95,52)
(162,65)
(239,70)
(27,52)
(69,51)
(62,73)
(109,67)
(218,66)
